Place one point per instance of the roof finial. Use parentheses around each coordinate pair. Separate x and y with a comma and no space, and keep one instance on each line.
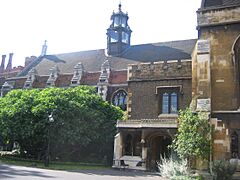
(44,48)
(120,6)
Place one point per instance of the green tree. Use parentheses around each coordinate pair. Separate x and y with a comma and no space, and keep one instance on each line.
(193,137)
(84,124)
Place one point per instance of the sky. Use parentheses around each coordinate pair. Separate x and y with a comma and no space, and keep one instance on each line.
(78,25)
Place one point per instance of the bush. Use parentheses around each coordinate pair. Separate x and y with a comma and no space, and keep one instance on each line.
(174,169)
(223,170)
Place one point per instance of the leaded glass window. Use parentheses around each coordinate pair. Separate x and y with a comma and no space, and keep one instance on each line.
(120,99)
(173,109)
(169,102)
(165,103)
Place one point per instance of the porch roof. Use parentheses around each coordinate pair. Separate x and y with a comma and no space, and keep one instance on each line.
(148,123)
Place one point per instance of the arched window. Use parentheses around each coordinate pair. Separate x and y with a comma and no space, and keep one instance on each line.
(234,145)
(120,99)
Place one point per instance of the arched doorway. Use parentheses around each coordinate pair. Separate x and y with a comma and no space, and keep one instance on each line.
(158,148)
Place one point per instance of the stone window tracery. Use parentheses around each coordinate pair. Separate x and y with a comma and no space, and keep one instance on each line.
(120,99)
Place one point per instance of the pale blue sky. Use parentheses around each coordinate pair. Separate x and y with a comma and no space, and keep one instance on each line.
(76,25)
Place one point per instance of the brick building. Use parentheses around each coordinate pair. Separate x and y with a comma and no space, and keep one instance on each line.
(154,81)
(7,71)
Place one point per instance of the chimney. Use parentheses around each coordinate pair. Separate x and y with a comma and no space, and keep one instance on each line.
(3,63)
(9,65)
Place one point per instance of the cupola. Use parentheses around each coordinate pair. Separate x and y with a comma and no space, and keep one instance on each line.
(119,33)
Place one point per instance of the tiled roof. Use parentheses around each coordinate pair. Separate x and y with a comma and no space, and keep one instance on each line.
(219,3)
(92,60)
(90,78)
(118,77)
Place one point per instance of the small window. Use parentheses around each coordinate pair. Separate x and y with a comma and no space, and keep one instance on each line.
(168,101)
(173,108)
(120,99)
(165,103)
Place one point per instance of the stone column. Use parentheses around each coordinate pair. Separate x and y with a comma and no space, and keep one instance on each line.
(144,149)
(117,149)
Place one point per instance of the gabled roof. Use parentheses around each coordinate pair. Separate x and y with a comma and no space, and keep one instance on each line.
(219,3)
(92,60)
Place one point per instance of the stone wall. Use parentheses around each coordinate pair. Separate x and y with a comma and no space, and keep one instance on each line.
(218,16)
(160,70)
(143,80)
(223,68)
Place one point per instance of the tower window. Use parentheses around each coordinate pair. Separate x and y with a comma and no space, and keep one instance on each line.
(114,36)
(120,99)
(125,37)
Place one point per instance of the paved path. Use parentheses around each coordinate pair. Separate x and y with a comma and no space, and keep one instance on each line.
(10,172)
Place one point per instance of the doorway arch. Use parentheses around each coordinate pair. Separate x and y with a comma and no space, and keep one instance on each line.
(158,148)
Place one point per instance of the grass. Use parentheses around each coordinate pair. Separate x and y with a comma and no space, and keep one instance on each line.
(52,165)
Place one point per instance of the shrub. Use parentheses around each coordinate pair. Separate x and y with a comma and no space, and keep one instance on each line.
(174,169)
(223,170)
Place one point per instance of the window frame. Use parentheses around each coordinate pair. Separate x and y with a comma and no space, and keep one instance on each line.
(169,91)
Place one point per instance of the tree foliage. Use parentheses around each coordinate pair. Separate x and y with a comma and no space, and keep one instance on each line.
(193,138)
(83,124)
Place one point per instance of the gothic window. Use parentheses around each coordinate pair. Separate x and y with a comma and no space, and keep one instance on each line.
(120,99)
(234,145)
(169,101)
